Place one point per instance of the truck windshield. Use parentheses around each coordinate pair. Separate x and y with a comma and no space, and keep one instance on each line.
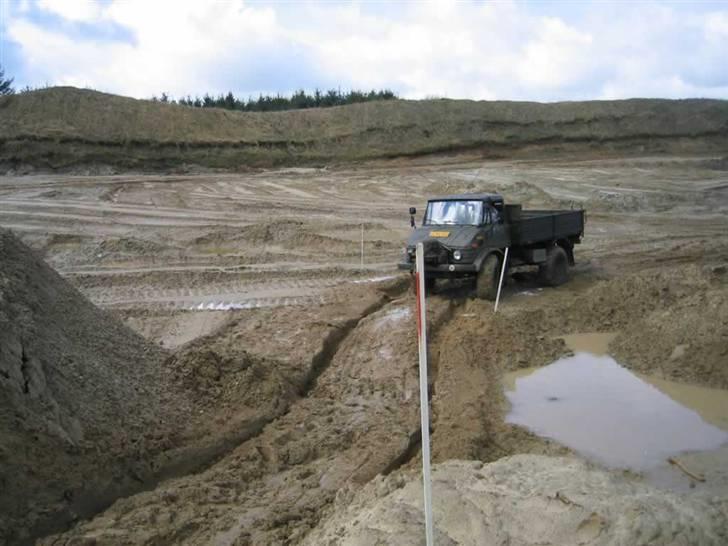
(454,213)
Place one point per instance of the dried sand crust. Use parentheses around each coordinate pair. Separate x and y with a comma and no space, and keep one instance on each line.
(523,500)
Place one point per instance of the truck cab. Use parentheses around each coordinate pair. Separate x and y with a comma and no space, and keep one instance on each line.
(457,231)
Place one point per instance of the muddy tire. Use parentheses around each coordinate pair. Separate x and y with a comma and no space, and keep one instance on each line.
(555,271)
(486,283)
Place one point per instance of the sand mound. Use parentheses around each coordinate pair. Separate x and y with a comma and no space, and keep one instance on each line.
(221,376)
(80,397)
(520,500)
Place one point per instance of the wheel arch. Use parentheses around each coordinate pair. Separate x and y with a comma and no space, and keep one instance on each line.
(500,253)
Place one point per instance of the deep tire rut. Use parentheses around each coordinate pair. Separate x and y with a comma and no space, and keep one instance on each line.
(414,446)
(198,458)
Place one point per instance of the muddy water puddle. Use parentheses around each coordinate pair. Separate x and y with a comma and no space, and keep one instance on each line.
(603,411)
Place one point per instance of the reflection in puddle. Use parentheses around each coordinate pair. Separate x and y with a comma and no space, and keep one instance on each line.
(598,408)
(711,404)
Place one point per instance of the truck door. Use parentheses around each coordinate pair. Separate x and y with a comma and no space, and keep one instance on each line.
(495,228)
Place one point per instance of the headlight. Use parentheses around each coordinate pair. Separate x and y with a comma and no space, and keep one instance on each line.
(457,255)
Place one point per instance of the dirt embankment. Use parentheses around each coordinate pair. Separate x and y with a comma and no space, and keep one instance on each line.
(682,333)
(60,128)
(82,398)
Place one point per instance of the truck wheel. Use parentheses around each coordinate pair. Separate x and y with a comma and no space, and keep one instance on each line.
(486,284)
(556,269)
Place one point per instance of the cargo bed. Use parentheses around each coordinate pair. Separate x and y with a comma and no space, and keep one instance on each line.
(537,226)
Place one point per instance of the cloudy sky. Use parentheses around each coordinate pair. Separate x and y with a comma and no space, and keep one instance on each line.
(542,51)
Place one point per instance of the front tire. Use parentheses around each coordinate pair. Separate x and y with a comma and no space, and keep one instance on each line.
(486,284)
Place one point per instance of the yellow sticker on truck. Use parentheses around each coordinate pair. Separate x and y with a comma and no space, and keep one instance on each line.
(440,234)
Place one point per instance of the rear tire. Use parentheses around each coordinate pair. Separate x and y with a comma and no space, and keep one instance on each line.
(555,271)
(486,284)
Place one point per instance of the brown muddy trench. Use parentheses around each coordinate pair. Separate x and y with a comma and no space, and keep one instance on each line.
(357,416)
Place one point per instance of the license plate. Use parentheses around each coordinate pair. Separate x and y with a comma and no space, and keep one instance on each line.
(440,234)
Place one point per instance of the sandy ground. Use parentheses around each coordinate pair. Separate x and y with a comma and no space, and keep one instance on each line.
(268,264)
(496,503)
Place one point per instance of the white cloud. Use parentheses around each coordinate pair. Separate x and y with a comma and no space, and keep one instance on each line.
(73,10)
(716,25)
(489,50)
(173,44)
(557,55)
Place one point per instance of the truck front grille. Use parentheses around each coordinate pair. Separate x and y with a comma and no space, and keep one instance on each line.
(435,253)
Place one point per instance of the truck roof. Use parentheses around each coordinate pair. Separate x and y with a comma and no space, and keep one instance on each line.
(490,197)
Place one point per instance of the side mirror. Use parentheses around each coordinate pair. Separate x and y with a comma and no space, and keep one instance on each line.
(413,210)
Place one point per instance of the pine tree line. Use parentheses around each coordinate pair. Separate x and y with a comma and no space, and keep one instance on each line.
(5,83)
(267,103)
(264,103)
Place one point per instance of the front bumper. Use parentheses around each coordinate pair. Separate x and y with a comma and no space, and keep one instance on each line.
(442,270)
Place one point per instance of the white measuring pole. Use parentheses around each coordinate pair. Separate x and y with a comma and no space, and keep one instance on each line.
(500,283)
(362,248)
(424,398)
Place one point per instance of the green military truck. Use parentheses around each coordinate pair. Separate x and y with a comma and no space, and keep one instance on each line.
(466,235)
